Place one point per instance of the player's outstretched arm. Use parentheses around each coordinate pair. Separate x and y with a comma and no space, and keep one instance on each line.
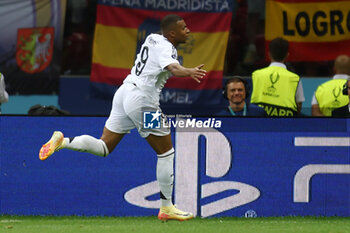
(178,70)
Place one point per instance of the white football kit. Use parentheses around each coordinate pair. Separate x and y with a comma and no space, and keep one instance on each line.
(141,89)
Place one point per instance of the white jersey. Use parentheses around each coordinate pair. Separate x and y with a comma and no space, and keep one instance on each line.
(148,72)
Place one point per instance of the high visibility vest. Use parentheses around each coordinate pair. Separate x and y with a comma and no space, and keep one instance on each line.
(274,89)
(329,96)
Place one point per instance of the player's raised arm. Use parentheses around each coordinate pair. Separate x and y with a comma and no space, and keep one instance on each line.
(178,70)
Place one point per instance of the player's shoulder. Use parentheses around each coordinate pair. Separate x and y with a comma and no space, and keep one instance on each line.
(154,39)
(157,41)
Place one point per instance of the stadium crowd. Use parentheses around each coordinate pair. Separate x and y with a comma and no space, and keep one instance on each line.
(245,56)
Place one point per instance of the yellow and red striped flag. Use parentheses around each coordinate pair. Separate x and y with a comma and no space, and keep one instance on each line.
(121,27)
(317,30)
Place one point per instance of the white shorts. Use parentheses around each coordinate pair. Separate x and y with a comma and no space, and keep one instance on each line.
(128,107)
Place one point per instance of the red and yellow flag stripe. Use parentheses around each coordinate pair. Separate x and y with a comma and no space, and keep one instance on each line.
(316,29)
(118,32)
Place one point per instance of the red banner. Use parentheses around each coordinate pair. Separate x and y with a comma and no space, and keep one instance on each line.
(121,29)
(317,30)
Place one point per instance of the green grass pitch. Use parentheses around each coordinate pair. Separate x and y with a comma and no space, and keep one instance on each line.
(49,224)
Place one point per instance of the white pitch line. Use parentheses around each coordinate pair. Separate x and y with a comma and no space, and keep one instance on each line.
(9,220)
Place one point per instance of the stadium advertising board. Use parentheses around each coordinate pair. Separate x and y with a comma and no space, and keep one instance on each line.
(246,167)
(318,30)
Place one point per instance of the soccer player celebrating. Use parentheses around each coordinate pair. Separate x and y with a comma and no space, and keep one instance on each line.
(154,64)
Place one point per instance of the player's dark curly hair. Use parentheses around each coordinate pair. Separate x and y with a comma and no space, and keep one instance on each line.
(278,48)
(168,21)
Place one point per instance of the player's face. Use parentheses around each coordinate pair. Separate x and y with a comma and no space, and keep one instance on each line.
(236,92)
(181,32)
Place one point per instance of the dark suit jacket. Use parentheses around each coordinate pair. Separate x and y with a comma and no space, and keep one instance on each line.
(341,112)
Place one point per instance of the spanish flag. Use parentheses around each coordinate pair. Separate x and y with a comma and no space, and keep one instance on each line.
(122,26)
(317,30)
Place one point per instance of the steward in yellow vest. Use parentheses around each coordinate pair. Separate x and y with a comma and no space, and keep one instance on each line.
(274,87)
(328,96)
(343,111)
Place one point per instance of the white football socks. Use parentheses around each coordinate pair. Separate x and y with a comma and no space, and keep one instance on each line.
(165,176)
(86,143)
